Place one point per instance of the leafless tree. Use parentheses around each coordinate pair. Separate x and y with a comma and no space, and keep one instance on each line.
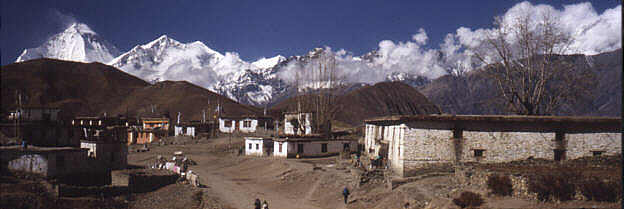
(317,85)
(524,59)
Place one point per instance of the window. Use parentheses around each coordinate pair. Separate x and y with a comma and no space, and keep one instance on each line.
(250,145)
(257,146)
(300,148)
(280,147)
(559,136)
(478,153)
(247,124)
(559,154)
(60,161)
(324,147)
(597,153)
(345,147)
(227,123)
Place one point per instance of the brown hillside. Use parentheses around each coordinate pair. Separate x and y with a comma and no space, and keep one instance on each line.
(77,88)
(180,96)
(95,88)
(381,99)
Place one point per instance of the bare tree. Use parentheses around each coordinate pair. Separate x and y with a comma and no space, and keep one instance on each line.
(524,59)
(317,86)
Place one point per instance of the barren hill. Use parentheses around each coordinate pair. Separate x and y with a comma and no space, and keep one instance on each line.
(381,99)
(95,88)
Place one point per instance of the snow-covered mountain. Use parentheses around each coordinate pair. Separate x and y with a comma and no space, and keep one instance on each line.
(256,83)
(76,43)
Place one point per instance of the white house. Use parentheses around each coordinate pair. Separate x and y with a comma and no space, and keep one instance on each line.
(258,146)
(303,120)
(181,130)
(243,124)
(311,146)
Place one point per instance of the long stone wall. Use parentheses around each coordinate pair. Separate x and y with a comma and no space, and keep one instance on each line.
(415,151)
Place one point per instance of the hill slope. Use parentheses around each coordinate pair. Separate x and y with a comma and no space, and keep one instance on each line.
(94,89)
(381,99)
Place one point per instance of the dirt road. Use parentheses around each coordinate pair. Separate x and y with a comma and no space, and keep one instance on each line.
(238,180)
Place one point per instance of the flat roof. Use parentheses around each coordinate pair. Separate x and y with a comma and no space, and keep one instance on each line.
(568,124)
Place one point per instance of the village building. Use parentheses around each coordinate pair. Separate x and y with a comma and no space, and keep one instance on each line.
(425,143)
(311,146)
(105,138)
(40,126)
(298,123)
(258,146)
(68,164)
(35,114)
(244,124)
(148,130)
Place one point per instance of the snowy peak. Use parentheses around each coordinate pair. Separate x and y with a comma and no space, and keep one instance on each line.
(78,42)
(265,63)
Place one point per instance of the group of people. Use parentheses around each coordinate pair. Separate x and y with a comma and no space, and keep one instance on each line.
(261,205)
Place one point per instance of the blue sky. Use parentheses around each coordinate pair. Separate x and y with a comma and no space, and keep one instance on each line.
(254,29)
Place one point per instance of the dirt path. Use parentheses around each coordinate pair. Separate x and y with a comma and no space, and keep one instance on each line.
(241,192)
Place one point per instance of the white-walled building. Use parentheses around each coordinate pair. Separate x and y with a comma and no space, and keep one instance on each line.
(258,146)
(423,143)
(311,146)
(244,124)
(302,120)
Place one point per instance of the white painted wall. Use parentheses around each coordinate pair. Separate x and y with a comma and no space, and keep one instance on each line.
(256,146)
(289,128)
(226,129)
(30,163)
(284,151)
(251,129)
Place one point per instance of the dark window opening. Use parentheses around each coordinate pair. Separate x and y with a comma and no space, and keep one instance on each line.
(299,148)
(479,153)
(324,147)
(247,124)
(257,146)
(280,147)
(559,154)
(60,161)
(559,136)
(346,147)
(250,146)
(597,153)
(227,123)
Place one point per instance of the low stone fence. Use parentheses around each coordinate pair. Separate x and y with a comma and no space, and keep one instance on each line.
(479,177)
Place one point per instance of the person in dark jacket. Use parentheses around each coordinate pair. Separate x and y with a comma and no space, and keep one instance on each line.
(257,204)
(345,193)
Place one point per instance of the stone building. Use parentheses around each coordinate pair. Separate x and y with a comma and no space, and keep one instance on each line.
(68,164)
(423,143)
(105,138)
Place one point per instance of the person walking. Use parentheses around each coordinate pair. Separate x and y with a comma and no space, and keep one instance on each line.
(257,204)
(345,193)
(265,205)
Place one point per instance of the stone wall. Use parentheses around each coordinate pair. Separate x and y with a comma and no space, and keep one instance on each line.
(506,146)
(579,145)
(426,149)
